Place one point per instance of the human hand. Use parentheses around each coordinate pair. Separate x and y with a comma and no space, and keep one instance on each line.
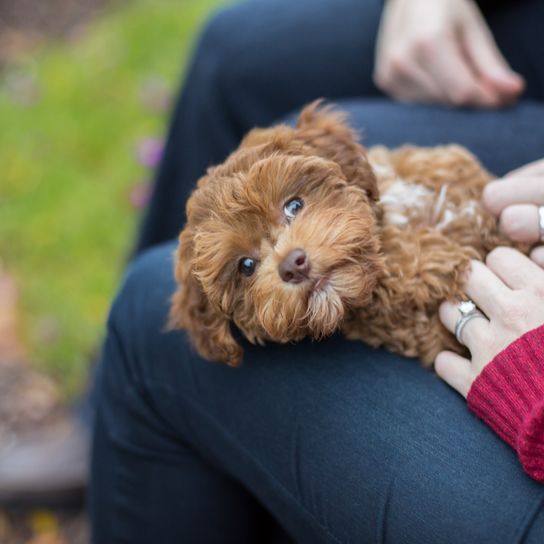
(442,51)
(509,290)
(515,200)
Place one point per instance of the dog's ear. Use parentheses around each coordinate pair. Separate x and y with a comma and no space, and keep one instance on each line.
(328,133)
(191,310)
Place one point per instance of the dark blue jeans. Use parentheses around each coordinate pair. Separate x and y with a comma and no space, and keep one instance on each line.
(317,442)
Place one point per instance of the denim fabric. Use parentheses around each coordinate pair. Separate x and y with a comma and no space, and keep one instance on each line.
(317,441)
(339,442)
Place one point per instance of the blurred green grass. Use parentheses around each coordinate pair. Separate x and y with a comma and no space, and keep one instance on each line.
(70,118)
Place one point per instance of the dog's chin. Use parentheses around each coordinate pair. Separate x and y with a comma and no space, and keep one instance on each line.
(331,298)
(325,310)
(315,311)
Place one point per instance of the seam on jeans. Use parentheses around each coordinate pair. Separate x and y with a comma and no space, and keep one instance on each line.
(295,459)
(526,524)
(266,471)
(231,438)
(381,529)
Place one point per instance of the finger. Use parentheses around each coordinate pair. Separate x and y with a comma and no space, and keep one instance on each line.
(454,370)
(452,74)
(487,60)
(405,80)
(520,223)
(486,289)
(474,333)
(513,190)
(416,87)
(423,84)
(533,169)
(538,256)
(514,269)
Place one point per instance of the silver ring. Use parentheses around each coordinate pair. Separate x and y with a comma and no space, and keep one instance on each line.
(541,222)
(468,311)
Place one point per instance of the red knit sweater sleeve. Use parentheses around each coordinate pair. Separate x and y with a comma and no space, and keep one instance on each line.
(509,396)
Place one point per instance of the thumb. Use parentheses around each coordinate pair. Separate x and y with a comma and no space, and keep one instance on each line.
(487,60)
(454,370)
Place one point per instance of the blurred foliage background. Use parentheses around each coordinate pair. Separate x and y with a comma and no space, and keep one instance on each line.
(84,102)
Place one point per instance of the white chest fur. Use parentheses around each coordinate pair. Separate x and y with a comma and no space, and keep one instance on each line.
(406,203)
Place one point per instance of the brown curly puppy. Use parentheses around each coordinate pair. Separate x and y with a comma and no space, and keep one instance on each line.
(291,238)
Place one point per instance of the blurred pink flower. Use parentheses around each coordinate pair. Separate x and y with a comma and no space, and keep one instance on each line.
(140,194)
(149,151)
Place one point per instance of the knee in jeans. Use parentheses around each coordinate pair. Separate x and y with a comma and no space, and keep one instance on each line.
(143,299)
(138,345)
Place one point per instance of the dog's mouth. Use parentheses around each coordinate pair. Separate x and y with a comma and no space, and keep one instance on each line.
(320,284)
(347,286)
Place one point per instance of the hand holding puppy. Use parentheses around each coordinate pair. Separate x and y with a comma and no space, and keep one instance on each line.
(517,201)
(510,289)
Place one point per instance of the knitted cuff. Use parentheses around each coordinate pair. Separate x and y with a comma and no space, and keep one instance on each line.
(509,396)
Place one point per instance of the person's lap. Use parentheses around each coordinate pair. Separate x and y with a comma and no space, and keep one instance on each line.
(338,441)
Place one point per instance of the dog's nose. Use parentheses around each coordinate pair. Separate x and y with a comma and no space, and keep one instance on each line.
(295,267)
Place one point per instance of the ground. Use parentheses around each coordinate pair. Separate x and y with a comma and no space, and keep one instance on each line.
(85,87)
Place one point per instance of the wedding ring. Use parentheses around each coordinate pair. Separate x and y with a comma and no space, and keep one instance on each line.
(468,311)
(541,222)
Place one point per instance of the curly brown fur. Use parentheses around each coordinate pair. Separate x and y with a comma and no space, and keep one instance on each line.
(378,266)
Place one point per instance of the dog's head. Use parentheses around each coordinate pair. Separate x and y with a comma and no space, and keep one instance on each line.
(278,242)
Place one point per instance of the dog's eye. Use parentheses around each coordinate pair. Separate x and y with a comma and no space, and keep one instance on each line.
(292,207)
(247,266)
